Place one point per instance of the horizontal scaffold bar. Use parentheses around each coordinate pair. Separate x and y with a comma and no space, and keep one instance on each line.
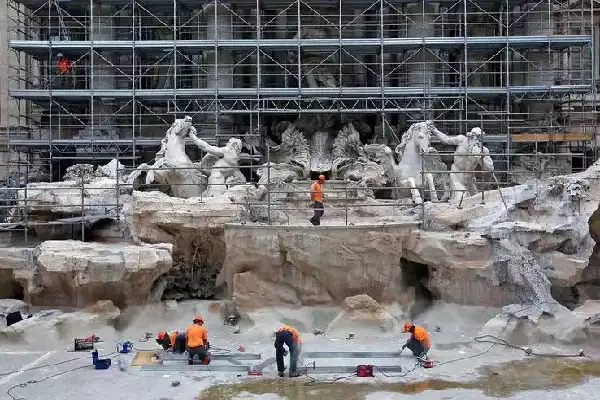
(350,354)
(329,94)
(361,44)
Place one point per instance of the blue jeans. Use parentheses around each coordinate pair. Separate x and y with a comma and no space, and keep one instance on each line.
(179,346)
(286,337)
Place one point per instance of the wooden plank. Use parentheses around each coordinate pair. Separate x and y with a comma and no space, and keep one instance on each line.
(552,137)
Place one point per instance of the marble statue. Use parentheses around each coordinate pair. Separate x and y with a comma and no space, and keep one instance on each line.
(351,161)
(411,169)
(318,70)
(221,163)
(172,166)
(470,153)
(289,160)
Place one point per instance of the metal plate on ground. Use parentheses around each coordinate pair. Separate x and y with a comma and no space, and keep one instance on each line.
(350,354)
(233,356)
(264,364)
(348,369)
(196,368)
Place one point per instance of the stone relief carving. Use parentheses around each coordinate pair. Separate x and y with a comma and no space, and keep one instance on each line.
(172,166)
(470,153)
(351,161)
(289,160)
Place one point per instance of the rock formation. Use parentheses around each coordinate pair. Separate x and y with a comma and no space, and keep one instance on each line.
(77,274)
(84,194)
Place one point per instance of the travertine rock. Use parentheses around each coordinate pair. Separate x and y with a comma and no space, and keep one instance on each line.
(360,312)
(530,324)
(327,265)
(154,217)
(78,274)
(589,313)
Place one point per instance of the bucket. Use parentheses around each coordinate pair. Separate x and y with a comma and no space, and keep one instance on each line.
(102,364)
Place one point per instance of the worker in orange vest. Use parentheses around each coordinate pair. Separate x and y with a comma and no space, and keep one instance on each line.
(196,337)
(289,336)
(316,197)
(175,341)
(419,342)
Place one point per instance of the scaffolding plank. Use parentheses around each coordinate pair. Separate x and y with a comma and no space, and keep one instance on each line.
(552,137)
(350,354)
(195,368)
(228,357)
(348,369)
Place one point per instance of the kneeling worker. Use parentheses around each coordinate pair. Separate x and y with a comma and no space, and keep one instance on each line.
(174,342)
(196,338)
(419,342)
(291,338)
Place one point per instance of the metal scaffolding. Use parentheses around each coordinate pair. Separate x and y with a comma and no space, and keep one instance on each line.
(523,71)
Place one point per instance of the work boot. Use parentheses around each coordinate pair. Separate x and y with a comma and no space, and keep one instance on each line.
(280,373)
(294,374)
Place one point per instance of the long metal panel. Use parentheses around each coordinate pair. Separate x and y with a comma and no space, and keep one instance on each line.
(195,368)
(235,356)
(348,369)
(350,354)
(482,42)
(293,93)
(264,364)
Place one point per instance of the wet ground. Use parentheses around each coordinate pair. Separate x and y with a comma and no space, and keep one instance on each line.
(501,380)
(38,367)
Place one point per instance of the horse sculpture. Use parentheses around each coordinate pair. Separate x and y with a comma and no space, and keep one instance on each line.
(172,166)
(415,159)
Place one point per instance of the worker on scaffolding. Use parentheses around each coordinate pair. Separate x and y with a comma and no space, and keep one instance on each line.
(316,197)
(419,342)
(63,64)
(175,341)
(196,337)
(289,336)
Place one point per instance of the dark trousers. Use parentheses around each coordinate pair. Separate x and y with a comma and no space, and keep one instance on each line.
(317,214)
(199,351)
(417,348)
(179,346)
(13,317)
(281,338)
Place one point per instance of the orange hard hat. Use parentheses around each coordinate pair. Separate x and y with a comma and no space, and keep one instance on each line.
(199,319)
(321,177)
(407,326)
(162,335)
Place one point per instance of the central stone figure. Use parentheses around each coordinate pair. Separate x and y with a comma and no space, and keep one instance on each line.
(224,162)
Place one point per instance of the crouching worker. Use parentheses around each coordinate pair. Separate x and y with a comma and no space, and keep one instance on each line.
(196,338)
(174,342)
(291,338)
(419,342)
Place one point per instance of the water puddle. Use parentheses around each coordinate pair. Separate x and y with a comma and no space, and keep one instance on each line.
(500,380)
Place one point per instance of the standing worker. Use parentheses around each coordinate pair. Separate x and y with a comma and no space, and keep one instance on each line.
(174,342)
(419,342)
(291,338)
(196,337)
(316,197)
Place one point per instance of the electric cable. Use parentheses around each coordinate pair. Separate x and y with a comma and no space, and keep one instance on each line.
(34,381)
